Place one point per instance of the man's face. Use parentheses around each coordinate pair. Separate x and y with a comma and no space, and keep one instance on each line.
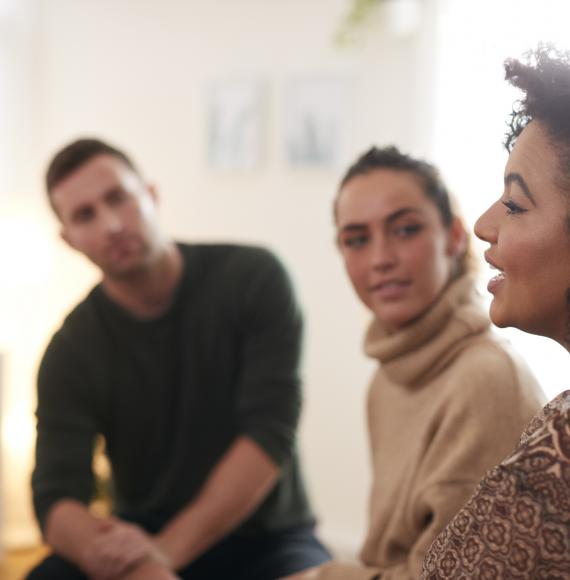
(109,214)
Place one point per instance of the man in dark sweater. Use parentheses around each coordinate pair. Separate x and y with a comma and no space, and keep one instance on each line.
(185,359)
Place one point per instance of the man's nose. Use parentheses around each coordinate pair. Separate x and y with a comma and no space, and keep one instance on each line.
(111,221)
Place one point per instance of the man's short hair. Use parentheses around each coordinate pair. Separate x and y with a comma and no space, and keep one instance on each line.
(76,154)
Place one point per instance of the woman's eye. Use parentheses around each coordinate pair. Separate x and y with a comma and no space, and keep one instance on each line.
(407,230)
(355,241)
(512,207)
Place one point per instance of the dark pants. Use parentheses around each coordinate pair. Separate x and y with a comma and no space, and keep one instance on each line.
(266,556)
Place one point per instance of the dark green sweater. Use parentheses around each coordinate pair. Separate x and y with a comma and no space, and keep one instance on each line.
(171,394)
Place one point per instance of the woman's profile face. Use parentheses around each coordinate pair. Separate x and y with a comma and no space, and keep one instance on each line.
(396,250)
(527,229)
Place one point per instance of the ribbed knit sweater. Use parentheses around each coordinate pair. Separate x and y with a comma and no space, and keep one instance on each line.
(449,400)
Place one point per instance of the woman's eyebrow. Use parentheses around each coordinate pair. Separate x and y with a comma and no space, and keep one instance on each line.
(355,226)
(519,179)
(400,212)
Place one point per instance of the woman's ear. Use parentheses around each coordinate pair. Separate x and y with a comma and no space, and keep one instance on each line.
(457,239)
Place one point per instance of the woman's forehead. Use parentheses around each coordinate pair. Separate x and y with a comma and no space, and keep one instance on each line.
(534,154)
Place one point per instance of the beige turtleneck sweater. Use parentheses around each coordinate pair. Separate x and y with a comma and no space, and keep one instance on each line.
(448,401)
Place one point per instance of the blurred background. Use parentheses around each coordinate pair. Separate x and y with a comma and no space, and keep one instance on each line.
(245,114)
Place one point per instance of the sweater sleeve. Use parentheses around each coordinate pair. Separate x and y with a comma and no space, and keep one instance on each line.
(65,432)
(342,571)
(442,500)
(268,390)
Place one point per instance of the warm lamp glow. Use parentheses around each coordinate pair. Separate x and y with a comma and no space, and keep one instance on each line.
(17,435)
(25,250)
(26,255)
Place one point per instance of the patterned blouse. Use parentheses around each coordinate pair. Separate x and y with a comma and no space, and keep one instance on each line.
(517,523)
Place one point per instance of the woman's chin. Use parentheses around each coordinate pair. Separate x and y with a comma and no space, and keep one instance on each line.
(498,316)
(502,320)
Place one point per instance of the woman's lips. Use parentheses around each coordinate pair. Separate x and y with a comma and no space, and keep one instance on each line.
(495,282)
(390,289)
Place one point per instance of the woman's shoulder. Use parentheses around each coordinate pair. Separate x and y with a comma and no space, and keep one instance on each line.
(553,419)
(487,380)
(489,361)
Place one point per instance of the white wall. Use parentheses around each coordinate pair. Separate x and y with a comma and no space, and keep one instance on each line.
(135,72)
(472,106)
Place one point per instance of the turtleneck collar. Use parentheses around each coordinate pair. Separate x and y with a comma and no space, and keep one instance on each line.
(415,351)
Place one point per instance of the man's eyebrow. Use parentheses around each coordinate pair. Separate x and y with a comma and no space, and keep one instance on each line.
(113,190)
(519,180)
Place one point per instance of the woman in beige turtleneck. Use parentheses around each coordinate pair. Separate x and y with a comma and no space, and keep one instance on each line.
(448,399)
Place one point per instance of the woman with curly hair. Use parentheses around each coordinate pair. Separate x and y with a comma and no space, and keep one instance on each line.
(448,399)
(517,524)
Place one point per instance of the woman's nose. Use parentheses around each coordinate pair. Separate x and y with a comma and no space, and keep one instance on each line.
(485,227)
(383,254)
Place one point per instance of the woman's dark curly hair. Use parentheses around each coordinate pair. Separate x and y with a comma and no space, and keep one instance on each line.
(545,81)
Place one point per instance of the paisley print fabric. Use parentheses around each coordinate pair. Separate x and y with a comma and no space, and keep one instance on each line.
(517,524)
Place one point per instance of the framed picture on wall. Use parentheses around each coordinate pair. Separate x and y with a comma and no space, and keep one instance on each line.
(314,119)
(235,124)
